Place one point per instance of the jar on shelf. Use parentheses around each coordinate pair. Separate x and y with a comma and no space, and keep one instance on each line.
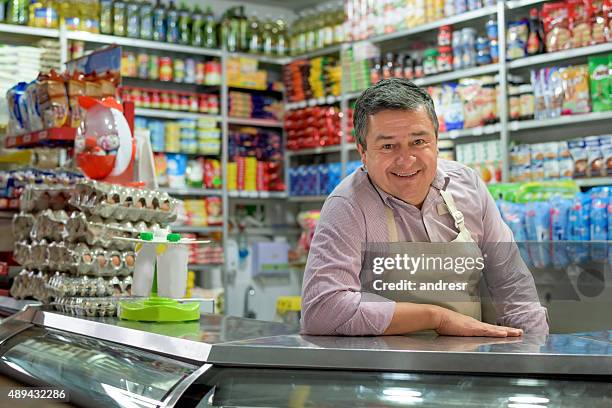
(430,63)
(527,102)
(445,36)
(445,59)
(514,102)
(483,51)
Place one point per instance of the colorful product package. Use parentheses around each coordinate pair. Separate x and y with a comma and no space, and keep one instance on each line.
(559,213)
(595,164)
(555,17)
(599,77)
(537,222)
(177,167)
(599,222)
(579,227)
(606,150)
(15,98)
(76,88)
(161,169)
(212,174)
(53,100)
(579,155)
(599,17)
(576,92)
(31,101)
(580,19)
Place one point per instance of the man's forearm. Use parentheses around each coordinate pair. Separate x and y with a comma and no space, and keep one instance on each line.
(412,317)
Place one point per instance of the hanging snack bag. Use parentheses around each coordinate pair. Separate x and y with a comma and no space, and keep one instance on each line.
(580,20)
(556,26)
(517,34)
(575,82)
(76,88)
(53,100)
(599,77)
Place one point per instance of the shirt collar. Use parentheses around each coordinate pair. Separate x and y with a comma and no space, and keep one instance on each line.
(440,182)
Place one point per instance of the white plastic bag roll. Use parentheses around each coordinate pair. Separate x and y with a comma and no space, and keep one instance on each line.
(172,271)
(143,270)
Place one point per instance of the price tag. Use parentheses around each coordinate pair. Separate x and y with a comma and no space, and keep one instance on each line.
(27,138)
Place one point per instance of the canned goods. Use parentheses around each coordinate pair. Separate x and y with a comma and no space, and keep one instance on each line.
(165,100)
(190,71)
(128,64)
(146,99)
(200,73)
(184,102)
(175,101)
(165,69)
(153,67)
(155,100)
(143,66)
(179,70)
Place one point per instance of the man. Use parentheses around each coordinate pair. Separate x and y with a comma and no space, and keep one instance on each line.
(404,192)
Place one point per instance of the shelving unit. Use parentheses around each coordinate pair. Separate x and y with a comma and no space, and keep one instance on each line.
(258,194)
(545,59)
(196,230)
(173,114)
(190,192)
(314,150)
(29,31)
(594,182)
(47,137)
(561,121)
(255,122)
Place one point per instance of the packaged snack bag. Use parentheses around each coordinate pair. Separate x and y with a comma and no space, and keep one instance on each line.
(537,226)
(53,100)
(14,97)
(556,26)
(76,88)
(606,150)
(575,90)
(599,222)
(595,164)
(34,115)
(579,227)
(566,164)
(598,21)
(579,155)
(600,83)
(559,213)
(580,21)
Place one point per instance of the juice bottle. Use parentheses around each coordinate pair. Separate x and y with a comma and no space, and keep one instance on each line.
(132,11)
(254,36)
(197,27)
(300,36)
(159,22)
(210,29)
(106,16)
(184,25)
(146,20)
(42,13)
(119,18)
(328,27)
(172,29)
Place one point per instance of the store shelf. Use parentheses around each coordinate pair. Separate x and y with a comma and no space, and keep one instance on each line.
(138,43)
(593,182)
(29,31)
(196,230)
(514,4)
(258,194)
(261,58)
(560,121)
(172,114)
(41,138)
(351,95)
(434,25)
(315,150)
(333,49)
(268,231)
(307,199)
(472,132)
(454,75)
(255,122)
(203,267)
(324,100)
(550,57)
(190,192)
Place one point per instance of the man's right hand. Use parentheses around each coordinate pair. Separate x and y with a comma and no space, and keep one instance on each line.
(456,324)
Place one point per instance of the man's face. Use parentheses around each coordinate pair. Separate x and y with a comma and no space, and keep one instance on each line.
(402,153)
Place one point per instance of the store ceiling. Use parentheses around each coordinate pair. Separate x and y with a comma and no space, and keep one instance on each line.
(295,5)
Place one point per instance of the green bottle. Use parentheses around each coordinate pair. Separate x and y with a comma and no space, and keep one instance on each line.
(146,21)
(159,22)
(268,37)
(254,35)
(106,16)
(210,30)
(17,12)
(119,18)
(197,27)
(172,28)
(282,39)
(184,25)
(243,29)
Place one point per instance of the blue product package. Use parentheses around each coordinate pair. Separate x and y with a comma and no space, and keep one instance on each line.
(599,223)
(323,171)
(292,181)
(537,226)
(514,216)
(609,220)
(177,167)
(559,214)
(312,180)
(335,176)
(579,227)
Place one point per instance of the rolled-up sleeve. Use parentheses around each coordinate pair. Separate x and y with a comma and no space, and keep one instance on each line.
(332,303)
(510,283)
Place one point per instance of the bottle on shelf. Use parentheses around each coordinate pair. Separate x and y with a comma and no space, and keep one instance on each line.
(70,12)
(132,12)
(119,17)
(535,40)
(310,30)
(255,37)
(230,27)
(339,32)
(146,20)
(106,16)
(172,28)
(184,25)
(17,12)
(319,30)
(90,21)
(282,38)
(159,22)
(210,29)
(299,35)
(197,27)
(267,37)
(243,28)
(43,13)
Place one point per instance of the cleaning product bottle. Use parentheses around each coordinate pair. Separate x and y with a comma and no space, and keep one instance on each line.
(146,20)
(197,28)
(184,25)
(172,28)
(210,29)
(159,22)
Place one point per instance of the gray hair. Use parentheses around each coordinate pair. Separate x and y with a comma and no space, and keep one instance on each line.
(390,94)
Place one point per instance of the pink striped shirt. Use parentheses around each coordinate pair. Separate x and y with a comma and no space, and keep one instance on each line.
(354,213)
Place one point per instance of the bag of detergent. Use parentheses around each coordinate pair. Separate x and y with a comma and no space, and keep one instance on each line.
(559,213)
(599,223)
(579,228)
(537,225)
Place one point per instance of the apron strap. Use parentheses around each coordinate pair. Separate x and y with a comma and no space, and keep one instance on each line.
(393,237)
(452,209)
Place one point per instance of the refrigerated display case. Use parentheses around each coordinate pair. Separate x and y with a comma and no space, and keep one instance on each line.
(229,361)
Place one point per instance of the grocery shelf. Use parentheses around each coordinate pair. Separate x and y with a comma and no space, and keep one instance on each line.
(549,57)
(190,192)
(261,58)
(560,121)
(351,95)
(514,4)
(307,199)
(257,194)
(202,267)
(29,31)
(41,137)
(593,182)
(314,150)
(195,229)
(255,122)
(324,100)
(138,43)
(471,132)
(456,19)
(332,49)
(454,75)
(280,230)
(172,114)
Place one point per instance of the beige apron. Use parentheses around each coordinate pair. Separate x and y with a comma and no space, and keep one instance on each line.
(466,301)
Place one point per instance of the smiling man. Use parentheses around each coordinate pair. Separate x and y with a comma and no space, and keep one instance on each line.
(404,193)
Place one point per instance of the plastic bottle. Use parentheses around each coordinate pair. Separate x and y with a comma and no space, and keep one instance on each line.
(17,12)
(43,13)
(267,37)
(119,17)
(90,20)
(184,25)
(491,28)
(310,32)
(387,68)
(146,20)
(210,29)
(159,22)
(255,35)
(282,40)
(172,28)
(132,11)
(535,41)
(106,16)
(197,27)
(339,32)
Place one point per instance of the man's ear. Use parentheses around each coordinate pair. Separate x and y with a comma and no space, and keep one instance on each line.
(362,153)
